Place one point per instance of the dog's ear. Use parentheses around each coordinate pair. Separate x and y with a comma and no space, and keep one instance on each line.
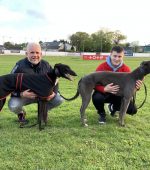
(57,73)
(56,69)
(142,63)
(57,65)
(145,65)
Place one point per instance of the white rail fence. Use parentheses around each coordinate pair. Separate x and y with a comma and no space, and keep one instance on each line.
(54,53)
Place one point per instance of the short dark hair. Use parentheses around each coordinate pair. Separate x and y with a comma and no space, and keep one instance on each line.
(118,49)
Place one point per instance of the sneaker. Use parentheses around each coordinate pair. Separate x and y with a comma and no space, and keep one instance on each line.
(21,119)
(110,108)
(102,120)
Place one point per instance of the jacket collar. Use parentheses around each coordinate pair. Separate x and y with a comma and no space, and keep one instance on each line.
(108,61)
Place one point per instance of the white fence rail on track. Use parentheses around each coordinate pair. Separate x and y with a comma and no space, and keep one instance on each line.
(52,53)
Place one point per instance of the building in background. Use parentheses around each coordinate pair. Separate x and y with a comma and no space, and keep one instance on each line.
(56,46)
(2,49)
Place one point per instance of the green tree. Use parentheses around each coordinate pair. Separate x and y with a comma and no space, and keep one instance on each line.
(100,41)
(135,46)
(118,36)
(79,39)
(8,45)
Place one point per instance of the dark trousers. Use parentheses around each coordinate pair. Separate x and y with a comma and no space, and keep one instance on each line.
(99,99)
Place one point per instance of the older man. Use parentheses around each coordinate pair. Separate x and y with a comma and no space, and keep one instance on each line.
(32,64)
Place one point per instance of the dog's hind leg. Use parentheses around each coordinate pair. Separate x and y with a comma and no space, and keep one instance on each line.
(86,97)
(123,109)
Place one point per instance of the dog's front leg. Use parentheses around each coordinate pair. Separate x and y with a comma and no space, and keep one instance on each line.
(45,112)
(39,114)
(42,113)
(123,110)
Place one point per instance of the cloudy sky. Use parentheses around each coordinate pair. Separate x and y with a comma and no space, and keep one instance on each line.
(48,20)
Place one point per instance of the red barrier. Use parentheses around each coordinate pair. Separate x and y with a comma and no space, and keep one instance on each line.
(94,57)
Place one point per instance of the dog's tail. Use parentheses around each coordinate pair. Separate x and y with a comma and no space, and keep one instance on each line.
(75,96)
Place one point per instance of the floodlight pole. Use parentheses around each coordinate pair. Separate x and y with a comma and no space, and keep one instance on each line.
(101,45)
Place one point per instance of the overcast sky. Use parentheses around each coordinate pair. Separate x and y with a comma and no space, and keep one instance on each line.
(48,20)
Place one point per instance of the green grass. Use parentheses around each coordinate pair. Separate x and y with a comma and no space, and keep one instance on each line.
(65,144)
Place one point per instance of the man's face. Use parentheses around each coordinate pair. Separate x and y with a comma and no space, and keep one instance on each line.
(34,54)
(116,58)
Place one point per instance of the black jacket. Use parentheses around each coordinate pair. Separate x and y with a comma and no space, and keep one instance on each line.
(24,66)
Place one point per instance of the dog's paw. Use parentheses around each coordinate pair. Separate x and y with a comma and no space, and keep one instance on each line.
(85,125)
(122,125)
(41,128)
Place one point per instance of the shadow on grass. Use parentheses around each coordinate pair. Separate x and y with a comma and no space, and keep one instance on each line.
(66,118)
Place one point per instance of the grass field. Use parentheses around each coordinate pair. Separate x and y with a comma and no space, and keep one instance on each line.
(65,144)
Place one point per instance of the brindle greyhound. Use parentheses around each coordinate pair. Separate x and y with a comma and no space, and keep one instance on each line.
(126,82)
(42,85)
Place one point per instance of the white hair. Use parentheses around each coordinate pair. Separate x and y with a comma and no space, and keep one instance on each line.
(31,44)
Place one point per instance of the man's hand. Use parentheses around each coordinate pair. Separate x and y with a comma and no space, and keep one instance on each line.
(28,94)
(110,88)
(51,96)
(138,84)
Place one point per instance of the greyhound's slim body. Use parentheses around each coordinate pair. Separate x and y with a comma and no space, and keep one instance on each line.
(126,82)
(42,85)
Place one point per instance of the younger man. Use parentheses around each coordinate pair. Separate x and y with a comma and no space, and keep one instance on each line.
(106,94)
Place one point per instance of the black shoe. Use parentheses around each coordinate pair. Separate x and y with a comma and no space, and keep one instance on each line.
(112,112)
(102,119)
(21,119)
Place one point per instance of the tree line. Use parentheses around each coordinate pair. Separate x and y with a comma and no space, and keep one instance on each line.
(100,41)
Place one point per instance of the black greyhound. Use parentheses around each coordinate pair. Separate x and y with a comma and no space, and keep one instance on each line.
(42,85)
(126,82)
